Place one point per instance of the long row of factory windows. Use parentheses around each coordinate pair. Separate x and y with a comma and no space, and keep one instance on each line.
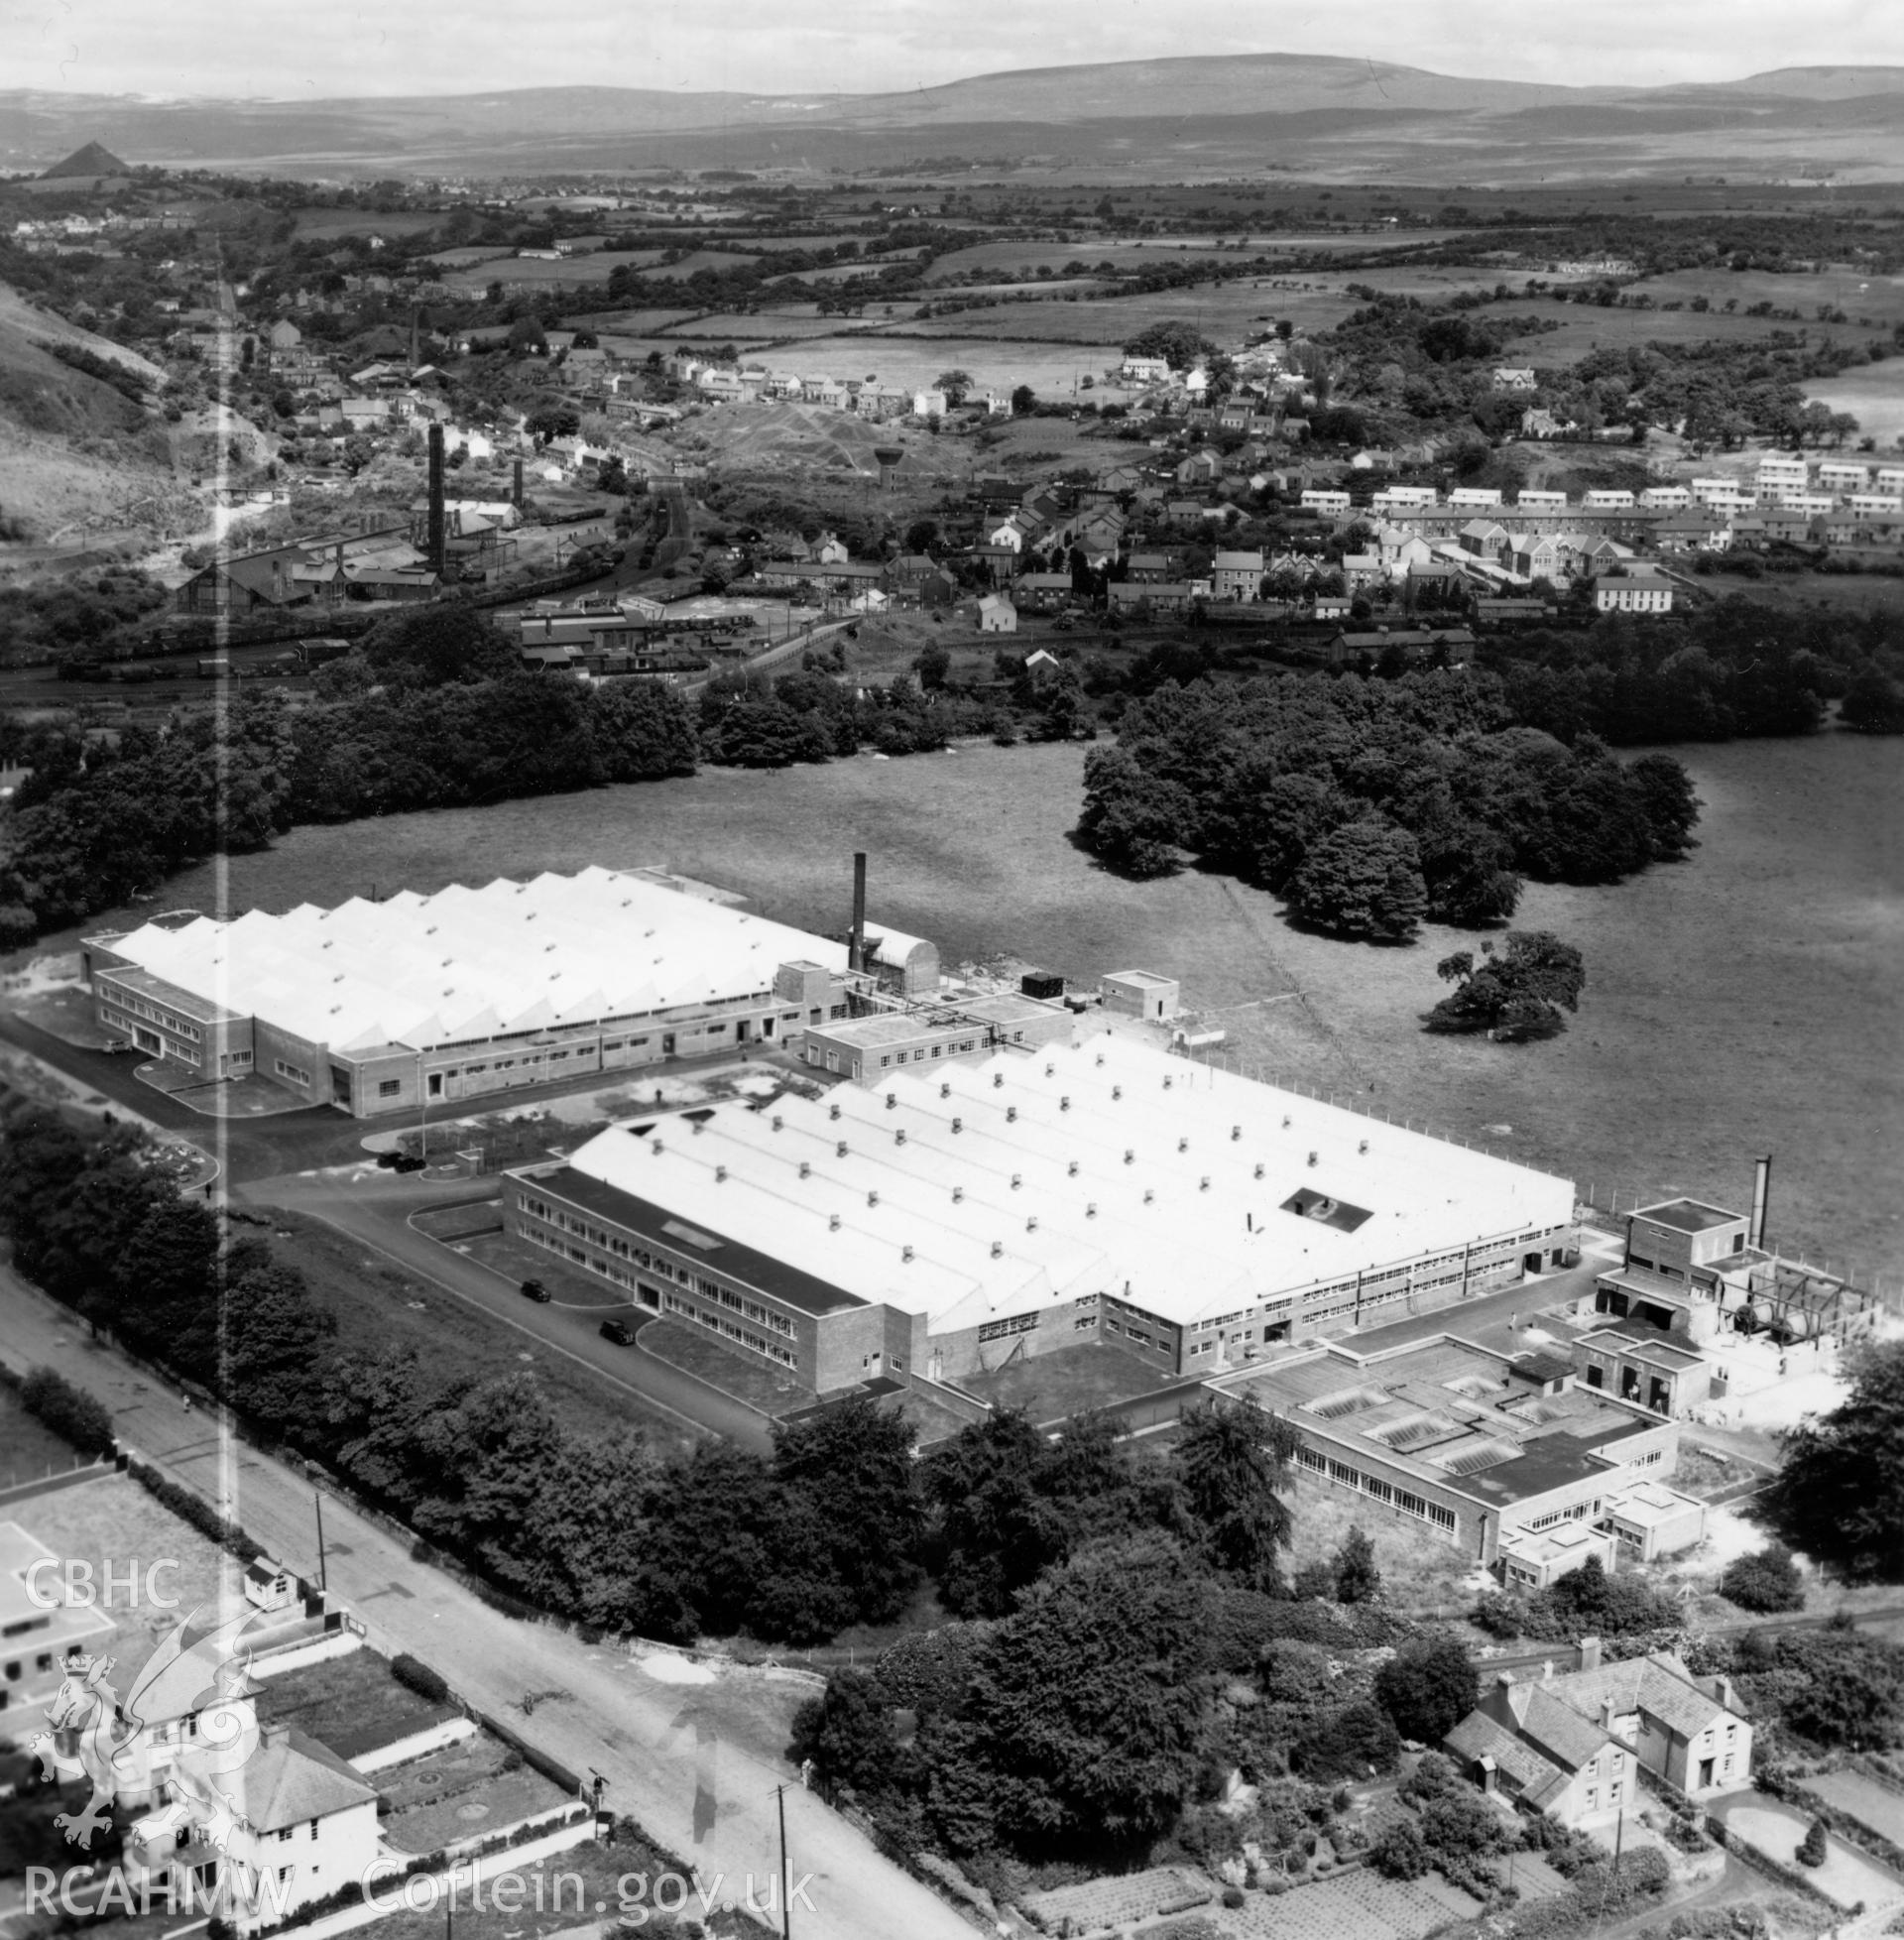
(728,1330)
(613,1243)
(1375,1487)
(151,1011)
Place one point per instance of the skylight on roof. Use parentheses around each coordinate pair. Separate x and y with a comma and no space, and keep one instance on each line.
(692,1234)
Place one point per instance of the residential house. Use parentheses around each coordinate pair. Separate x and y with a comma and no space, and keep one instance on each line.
(1541,422)
(1632,588)
(1006,532)
(1474,498)
(1690,1730)
(1693,530)
(829,548)
(1535,557)
(1538,501)
(1145,370)
(1042,592)
(1184,512)
(1516,380)
(1150,599)
(1236,414)
(1526,1744)
(1605,499)
(1148,569)
(1665,498)
(996,614)
(911,570)
(307,1831)
(828,391)
(998,563)
(1200,469)
(1237,576)
(1317,499)
(928,405)
(1360,570)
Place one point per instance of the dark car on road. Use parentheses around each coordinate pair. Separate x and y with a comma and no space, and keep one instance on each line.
(533,1289)
(618,1331)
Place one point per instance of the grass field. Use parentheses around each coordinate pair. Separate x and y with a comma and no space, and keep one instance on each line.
(1586,327)
(30,1449)
(1744,1001)
(572,271)
(1873,395)
(380,1306)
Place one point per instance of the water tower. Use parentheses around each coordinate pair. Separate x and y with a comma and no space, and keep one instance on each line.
(889,456)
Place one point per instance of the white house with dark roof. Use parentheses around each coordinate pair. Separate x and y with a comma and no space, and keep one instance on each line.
(1526,1743)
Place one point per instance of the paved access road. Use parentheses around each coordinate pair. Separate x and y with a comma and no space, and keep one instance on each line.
(694,1765)
(374,1209)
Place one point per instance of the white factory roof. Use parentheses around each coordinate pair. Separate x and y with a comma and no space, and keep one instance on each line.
(975,1192)
(472,963)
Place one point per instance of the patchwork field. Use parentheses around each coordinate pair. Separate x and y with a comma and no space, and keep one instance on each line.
(569,270)
(1585,327)
(1783,927)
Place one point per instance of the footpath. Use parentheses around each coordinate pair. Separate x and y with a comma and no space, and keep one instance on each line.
(695,1757)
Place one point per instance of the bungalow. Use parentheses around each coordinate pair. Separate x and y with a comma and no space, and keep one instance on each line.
(1237,576)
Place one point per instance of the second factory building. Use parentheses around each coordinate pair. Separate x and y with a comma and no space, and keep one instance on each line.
(939,1222)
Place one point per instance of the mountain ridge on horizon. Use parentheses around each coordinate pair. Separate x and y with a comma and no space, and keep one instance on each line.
(1335,112)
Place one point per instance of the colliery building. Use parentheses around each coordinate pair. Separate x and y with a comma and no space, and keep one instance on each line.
(392,1005)
(944,1220)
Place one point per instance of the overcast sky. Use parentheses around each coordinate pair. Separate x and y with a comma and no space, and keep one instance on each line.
(276,48)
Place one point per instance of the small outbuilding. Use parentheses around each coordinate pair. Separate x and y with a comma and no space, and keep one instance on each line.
(996,614)
(1141,993)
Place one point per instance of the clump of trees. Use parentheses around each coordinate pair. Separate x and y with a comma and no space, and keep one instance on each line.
(1585,1602)
(432,711)
(1839,1493)
(1372,806)
(1767,1580)
(1514,995)
(69,1411)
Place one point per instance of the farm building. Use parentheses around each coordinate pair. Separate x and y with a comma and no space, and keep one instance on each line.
(951,1217)
(380,1006)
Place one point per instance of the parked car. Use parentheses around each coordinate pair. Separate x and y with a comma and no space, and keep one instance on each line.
(618,1331)
(117,1044)
(404,1162)
(533,1289)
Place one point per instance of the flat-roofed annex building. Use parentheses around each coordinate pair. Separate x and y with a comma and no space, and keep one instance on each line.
(374,1007)
(939,1221)
(1483,1448)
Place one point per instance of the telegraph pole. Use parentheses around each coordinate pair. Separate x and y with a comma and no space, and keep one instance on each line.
(787,1877)
(324,1574)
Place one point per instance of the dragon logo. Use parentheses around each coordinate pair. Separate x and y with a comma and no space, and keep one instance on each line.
(189,1721)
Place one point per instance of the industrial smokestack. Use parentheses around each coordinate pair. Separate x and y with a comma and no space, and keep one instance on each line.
(436,500)
(516,490)
(1761,1197)
(856,944)
(413,337)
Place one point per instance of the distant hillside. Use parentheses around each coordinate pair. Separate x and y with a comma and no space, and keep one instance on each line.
(92,160)
(1300,115)
(76,452)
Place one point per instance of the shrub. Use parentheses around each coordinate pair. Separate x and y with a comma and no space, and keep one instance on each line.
(1401,1853)
(417,1676)
(1812,1848)
(67,1410)
(1766,1581)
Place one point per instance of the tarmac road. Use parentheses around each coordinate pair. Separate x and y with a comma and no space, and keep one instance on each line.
(375,1208)
(696,1766)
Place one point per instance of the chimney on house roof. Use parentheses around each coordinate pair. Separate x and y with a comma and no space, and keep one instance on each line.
(1586,1654)
(1606,1714)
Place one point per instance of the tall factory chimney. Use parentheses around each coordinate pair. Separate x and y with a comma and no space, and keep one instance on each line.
(856,944)
(413,337)
(1761,1196)
(516,490)
(437,554)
